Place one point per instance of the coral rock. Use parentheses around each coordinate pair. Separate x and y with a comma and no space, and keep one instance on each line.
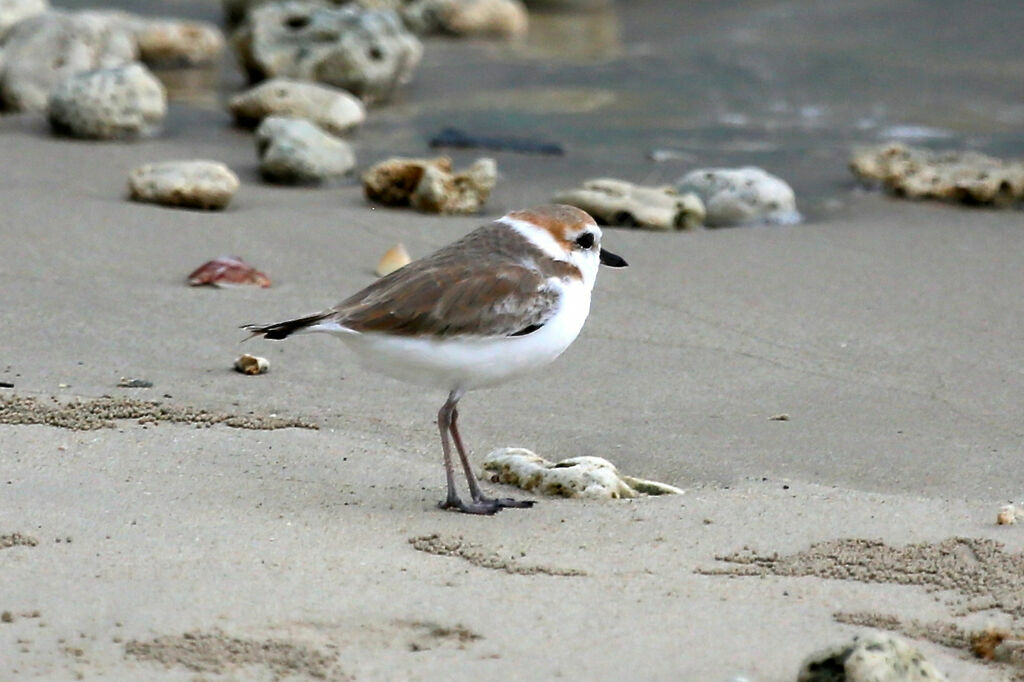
(119,102)
(293,150)
(589,477)
(739,196)
(872,657)
(393,259)
(429,185)
(13,11)
(964,177)
(252,364)
(501,18)
(621,203)
(332,109)
(227,271)
(367,52)
(172,42)
(186,184)
(41,51)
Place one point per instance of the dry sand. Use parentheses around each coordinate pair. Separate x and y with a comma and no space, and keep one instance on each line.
(168,544)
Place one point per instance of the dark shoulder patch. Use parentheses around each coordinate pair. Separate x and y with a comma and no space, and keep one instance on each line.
(527,330)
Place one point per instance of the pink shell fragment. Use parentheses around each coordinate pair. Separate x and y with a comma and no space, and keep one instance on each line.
(228,271)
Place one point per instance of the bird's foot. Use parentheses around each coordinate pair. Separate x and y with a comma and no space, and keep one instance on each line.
(503,502)
(483,505)
(455,504)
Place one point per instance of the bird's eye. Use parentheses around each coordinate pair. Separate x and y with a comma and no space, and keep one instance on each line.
(585,240)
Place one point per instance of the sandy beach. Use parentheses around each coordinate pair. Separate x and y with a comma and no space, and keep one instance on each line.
(857,376)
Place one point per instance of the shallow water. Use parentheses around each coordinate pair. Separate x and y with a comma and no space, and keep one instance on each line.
(789,86)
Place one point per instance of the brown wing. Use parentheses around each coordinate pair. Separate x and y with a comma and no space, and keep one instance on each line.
(481,285)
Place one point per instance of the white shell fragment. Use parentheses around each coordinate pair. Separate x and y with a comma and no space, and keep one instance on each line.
(620,203)
(106,104)
(394,258)
(187,184)
(251,364)
(586,477)
(1009,515)
(333,109)
(741,196)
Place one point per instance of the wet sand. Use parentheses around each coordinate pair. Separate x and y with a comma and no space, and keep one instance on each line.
(889,333)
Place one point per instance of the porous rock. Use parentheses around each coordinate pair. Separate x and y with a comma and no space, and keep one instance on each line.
(587,477)
(741,196)
(367,52)
(621,203)
(175,42)
(964,177)
(104,104)
(500,18)
(13,11)
(294,150)
(186,184)
(429,185)
(235,11)
(870,657)
(41,51)
(332,109)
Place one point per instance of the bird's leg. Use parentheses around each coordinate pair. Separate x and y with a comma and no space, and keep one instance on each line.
(445,423)
(474,487)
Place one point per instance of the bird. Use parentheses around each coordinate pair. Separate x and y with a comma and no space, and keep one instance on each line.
(504,300)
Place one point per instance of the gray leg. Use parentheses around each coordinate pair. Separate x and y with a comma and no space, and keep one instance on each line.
(474,488)
(445,423)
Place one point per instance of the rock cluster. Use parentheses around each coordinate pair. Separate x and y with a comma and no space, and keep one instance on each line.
(43,48)
(741,196)
(332,109)
(297,151)
(105,104)
(367,52)
(430,185)
(621,203)
(184,184)
(964,177)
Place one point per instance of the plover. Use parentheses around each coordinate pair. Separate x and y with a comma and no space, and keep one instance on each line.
(506,299)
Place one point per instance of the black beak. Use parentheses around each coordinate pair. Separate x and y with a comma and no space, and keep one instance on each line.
(611,260)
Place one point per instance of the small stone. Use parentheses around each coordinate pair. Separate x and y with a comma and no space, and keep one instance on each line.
(393,259)
(106,104)
(251,364)
(871,657)
(498,18)
(368,52)
(227,271)
(42,50)
(621,203)
(125,382)
(186,184)
(294,150)
(6,617)
(334,110)
(963,177)
(585,477)
(13,11)
(1009,515)
(741,196)
(174,42)
(429,185)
